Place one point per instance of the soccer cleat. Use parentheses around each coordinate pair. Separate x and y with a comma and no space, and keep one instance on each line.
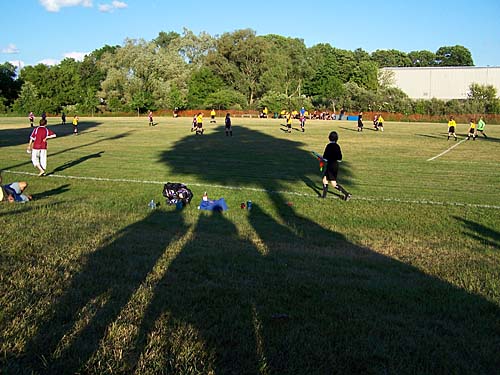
(347,197)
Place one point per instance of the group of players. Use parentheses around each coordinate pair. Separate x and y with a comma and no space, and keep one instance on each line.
(197,124)
(378,122)
(473,128)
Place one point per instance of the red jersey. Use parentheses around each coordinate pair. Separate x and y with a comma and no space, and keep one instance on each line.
(39,136)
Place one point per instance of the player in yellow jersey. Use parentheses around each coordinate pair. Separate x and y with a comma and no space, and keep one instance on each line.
(199,124)
(380,123)
(212,116)
(451,128)
(75,125)
(289,122)
(472,130)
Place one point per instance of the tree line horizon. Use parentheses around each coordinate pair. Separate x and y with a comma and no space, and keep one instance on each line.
(237,70)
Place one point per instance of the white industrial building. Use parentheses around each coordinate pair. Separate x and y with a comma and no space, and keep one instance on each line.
(442,82)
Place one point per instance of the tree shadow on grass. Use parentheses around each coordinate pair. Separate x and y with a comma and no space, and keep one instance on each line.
(20,136)
(248,158)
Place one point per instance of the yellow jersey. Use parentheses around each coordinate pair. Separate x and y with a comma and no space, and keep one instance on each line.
(452,123)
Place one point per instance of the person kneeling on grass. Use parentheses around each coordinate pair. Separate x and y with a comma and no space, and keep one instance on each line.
(13,192)
(333,156)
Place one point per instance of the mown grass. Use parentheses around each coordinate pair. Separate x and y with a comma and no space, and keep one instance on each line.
(404,278)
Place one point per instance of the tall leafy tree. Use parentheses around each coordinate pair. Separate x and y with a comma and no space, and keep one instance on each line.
(484,98)
(239,59)
(285,65)
(140,69)
(9,84)
(28,100)
(454,56)
(202,83)
(391,58)
(422,58)
(164,39)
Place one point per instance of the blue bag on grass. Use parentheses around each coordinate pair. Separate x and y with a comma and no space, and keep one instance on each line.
(213,205)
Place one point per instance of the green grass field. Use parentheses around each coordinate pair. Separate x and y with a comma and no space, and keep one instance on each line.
(402,279)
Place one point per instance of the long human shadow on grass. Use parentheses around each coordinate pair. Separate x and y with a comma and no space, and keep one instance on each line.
(299,298)
(303,299)
(481,233)
(72,163)
(74,326)
(49,193)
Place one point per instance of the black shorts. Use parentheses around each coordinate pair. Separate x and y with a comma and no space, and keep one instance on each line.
(451,129)
(199,125)
(331,171)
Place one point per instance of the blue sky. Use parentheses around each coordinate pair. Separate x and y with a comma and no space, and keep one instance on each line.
(34,31)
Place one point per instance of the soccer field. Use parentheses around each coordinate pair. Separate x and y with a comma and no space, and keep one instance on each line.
(403,278)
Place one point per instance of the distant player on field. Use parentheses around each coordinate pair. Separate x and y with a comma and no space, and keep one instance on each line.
(360,122)
(194,124)
(150,117)
(212,116)
(75,125)
(289,122)
(31,118)
(480,126)
(451,128)
(199,124)
(229,129)
(380,123)
(472,130)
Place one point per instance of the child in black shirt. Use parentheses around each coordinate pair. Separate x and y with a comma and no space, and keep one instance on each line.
(229,130)
(333,156)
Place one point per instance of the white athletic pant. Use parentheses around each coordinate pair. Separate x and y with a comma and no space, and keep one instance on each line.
(39,158)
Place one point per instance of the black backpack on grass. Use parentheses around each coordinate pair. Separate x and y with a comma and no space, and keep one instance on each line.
(177,192)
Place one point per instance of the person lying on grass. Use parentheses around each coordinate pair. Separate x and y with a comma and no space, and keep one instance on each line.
(14,192)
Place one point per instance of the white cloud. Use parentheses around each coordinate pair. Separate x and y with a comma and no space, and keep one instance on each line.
(19,64)
(109,8)
(11,48)
(105,8)
(78,56)
(119,4)
(48,62)
(56,5)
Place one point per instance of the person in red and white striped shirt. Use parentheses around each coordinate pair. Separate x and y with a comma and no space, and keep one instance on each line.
(38,146)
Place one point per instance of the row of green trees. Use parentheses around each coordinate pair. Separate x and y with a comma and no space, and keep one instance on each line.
(237,70)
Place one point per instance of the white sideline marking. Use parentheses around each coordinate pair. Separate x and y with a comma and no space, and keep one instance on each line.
(260,190)
(448,150)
